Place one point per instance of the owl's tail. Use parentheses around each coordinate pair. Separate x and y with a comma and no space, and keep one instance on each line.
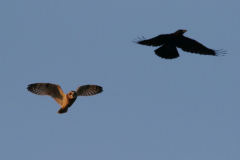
(62,110)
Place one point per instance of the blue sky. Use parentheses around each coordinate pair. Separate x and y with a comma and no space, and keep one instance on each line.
(151,108)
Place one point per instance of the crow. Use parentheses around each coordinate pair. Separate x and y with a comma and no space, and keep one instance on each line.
(169,42)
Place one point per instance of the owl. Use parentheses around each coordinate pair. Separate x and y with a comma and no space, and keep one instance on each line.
(64,100)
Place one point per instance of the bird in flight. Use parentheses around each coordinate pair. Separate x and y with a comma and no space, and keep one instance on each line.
(169,42)
(64,100)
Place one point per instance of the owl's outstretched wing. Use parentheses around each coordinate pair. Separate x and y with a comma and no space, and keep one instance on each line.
(49,89)
(88,90)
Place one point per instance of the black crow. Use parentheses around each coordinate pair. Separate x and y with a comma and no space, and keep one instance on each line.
(169,42)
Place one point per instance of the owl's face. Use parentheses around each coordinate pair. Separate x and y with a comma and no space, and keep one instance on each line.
(72,95)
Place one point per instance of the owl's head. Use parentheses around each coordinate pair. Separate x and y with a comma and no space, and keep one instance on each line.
(72,95)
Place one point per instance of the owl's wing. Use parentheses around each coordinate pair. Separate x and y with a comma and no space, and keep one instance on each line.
(49,89)
(88,90)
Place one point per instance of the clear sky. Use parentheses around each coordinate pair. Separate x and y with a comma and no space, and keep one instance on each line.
(150,109)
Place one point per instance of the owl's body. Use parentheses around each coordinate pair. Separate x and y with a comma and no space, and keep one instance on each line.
(64,100)
(67,102)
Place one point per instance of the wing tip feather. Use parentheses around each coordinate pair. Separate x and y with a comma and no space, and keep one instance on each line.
(220,52)
(138,40)
(31,87)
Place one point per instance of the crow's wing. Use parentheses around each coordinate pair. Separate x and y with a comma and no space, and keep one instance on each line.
(190,45)
(156,41)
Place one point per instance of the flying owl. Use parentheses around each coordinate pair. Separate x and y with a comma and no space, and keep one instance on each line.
(64,100)
(169,42)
